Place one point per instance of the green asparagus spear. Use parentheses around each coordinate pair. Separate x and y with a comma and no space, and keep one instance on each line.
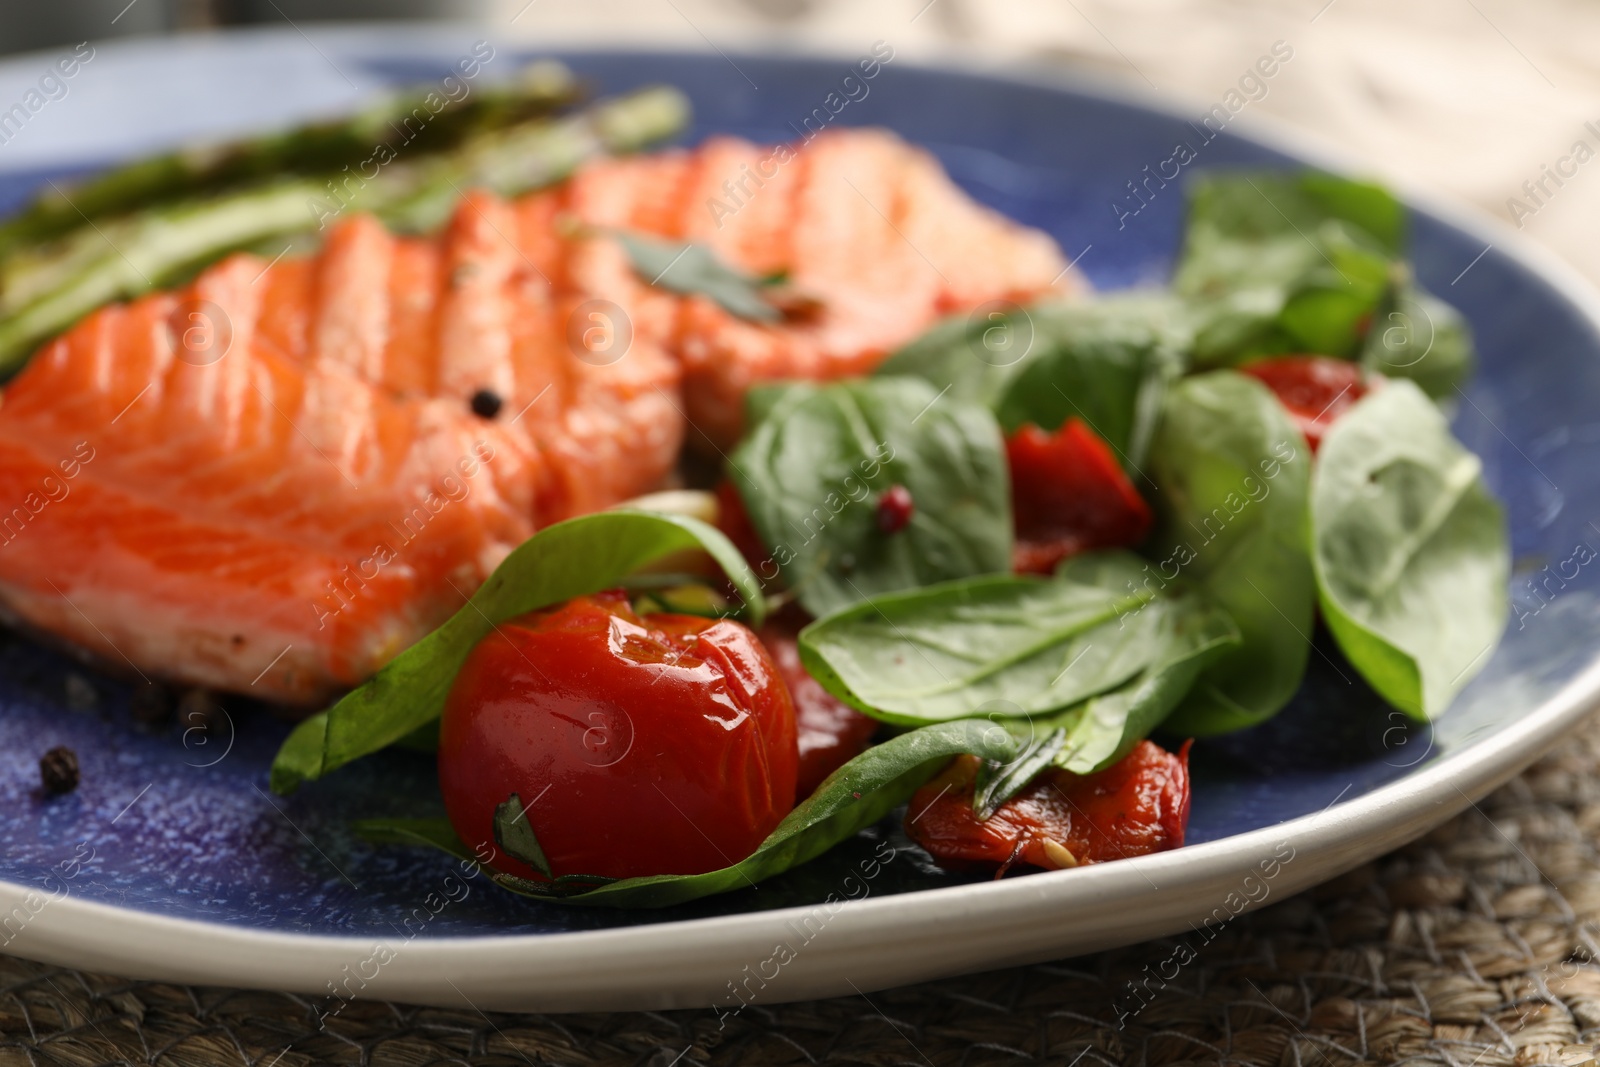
(402,118)
(121,258)
(529,156)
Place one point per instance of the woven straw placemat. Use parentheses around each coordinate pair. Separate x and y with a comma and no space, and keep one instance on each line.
(1474,947)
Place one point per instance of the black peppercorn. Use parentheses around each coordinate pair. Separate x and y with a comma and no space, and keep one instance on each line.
(58,770)
(486,403)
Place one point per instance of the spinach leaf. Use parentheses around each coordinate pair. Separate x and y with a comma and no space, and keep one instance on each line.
(1411,552)
(1286,263)
(514,835)
(1233,473)
(1093,735)
(1418,336)
(1262,205)
(854,797)
(694,270)
(572,558)
(1107,726)
(812,469)
(1105,362)
(439,834)
(998,782)
(1105,638)
(973,356)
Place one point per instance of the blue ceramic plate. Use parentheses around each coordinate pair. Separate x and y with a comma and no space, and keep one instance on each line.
(172,861)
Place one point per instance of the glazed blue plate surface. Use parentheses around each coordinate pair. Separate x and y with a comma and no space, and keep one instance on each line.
(180,823)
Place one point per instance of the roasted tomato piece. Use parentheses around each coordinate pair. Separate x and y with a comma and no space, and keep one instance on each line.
(1314,390)
(1137,806)
(1069,495)
(662,744)
(734,521)
(831,732)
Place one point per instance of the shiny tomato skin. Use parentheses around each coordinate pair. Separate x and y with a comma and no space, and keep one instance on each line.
(662,744)
(831,732)
(1137,806)
(1314,390)
(1069,495)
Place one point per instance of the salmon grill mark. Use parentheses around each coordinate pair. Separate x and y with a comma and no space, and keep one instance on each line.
(51,489)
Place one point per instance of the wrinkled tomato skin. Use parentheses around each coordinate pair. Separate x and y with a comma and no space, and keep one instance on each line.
(639,746)
(1069,495)
(1137,806)
(831,732)
(1314,390)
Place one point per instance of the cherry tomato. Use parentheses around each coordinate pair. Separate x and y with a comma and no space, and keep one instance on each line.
(831,732)
(1314,390)
(662,744)
(1138,805)
(1069,495)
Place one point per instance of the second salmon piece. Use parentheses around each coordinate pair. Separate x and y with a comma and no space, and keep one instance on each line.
(868,226)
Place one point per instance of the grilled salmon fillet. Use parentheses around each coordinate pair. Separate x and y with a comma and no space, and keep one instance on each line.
(273,480)
(276,478)
(866,225)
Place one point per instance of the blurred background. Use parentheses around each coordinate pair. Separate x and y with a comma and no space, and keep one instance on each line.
(1487,101)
